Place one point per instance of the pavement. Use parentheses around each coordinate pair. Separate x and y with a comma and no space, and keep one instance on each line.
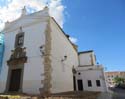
(113,93)
(117,93)
(105,95)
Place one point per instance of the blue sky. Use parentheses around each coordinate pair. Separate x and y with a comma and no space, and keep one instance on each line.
(98,25)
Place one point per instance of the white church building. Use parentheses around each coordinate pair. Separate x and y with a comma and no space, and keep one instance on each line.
(39,57)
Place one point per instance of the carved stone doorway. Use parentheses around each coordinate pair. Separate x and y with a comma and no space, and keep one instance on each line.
(16,64)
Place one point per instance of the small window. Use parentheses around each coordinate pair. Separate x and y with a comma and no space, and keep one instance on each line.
(19,40)
(98,83)
(89,83)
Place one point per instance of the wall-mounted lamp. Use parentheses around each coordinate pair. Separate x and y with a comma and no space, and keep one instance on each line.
(64,58)
(74,70)
(42,49)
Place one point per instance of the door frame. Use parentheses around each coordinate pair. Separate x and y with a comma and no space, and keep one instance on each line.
(14,67)
(74,83)
(80,85)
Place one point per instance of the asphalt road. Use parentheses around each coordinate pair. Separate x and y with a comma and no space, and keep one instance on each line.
(117,93)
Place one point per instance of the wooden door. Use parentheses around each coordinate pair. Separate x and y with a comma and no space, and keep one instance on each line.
(80,85)
(15,79)
(74,83)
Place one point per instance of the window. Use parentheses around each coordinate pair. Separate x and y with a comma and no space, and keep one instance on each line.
(19,40)
(98,83)
(89,83)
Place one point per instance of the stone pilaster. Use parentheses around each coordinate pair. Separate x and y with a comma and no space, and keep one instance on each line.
(45,91)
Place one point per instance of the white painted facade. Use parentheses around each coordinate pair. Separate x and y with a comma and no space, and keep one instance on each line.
(89,71)
(87,58)
(34,27)
(62,70)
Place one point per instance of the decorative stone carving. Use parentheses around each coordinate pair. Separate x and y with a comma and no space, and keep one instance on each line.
(18,56)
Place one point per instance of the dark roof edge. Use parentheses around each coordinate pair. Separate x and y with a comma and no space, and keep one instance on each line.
(114,71)
(86,51)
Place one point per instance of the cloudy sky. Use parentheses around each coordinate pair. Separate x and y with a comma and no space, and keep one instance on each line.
(11,9)
(97,25)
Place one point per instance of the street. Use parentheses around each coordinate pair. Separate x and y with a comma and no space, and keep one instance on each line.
(117,93)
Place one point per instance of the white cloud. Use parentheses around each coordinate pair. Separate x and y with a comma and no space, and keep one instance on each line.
(1,25)
(12,10)
(73,40)
(57,8)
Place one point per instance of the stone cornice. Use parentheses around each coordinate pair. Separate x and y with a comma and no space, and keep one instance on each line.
(16,27)
(18,56)
(40,16)
(20,60)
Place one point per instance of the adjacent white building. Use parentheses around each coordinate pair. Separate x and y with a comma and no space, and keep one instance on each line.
(88,75)
(38,56)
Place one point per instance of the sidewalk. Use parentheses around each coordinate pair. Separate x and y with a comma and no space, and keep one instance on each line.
(105,95)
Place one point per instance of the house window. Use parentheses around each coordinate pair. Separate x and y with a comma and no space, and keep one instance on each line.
(98,83)
(89,83)
(19,40)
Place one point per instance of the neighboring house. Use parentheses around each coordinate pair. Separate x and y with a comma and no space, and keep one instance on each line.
(111,75)
(38,57)
(88,75)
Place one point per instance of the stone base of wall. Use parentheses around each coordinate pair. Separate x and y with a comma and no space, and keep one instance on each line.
(65,95)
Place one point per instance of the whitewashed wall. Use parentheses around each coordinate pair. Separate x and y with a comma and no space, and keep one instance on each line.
(87,59)
(93,74)
(34,68)
(62,76)
(34,37)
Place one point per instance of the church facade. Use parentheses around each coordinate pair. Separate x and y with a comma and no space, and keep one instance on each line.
(38,56)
